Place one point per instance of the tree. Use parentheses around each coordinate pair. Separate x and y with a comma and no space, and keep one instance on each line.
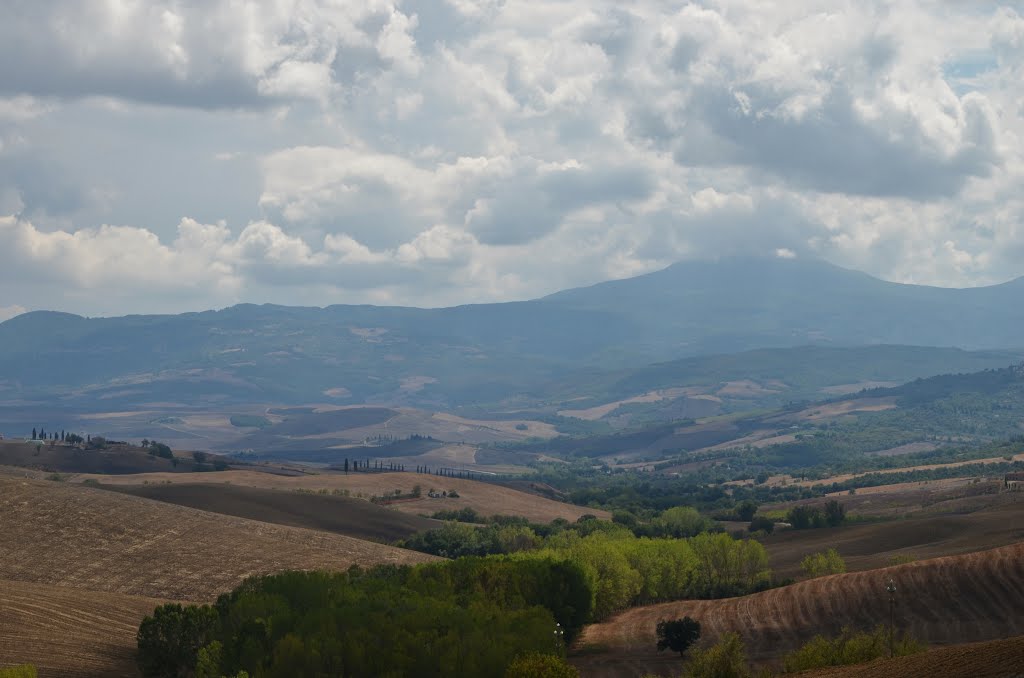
(835,513)
(34,434)
(145,442)
(169,642)
(678,635)
(824,563)
(761,524)
(745,510)
(200,457)
(727,659)
(536,665)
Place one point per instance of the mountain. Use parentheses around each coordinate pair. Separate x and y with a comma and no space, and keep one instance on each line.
(486,352)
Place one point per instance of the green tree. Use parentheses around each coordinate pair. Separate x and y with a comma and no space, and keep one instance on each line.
(169,642)
(726,659)
(745,510)
(823,563)
(849,648)
(536,665)
(678,635)
(200,457)
(761,524)
(835,513)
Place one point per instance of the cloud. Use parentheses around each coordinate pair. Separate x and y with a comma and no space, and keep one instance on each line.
(450,151)
(8,312)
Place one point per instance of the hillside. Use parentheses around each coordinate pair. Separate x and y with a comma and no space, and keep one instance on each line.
(954,599)
(70,632)
(486,498)
(74,536)
(486,352)
(994,659)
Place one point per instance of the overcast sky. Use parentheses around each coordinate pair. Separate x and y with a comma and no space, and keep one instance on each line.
(162,156)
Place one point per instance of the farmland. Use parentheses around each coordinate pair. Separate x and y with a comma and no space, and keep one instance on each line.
(70,632)
(486,498)
(339,515)
(104,541)
(946,600)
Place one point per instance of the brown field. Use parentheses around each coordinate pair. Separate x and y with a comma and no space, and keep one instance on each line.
(80,537)
(67,459)
(599,411)
(994,659)
(339,515)
(873,545)
(486,498)
(948,600)
(821,411)
(924,467)
(70,632)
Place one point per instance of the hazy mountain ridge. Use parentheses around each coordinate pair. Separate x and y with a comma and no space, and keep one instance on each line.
(486,352)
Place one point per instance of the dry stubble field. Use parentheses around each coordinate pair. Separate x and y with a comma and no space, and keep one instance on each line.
(92,539)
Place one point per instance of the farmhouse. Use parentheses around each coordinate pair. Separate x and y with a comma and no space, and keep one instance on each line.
(1014,482)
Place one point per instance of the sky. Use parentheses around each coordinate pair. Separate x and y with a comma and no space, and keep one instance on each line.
(165,156)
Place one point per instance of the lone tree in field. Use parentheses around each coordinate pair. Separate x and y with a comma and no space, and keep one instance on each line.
(678,635)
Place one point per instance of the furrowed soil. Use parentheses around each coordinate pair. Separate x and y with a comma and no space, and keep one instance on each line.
(994,659)
(79,537)
(486,498)
(955,599)
(340,515)
(70,632)
(874,545)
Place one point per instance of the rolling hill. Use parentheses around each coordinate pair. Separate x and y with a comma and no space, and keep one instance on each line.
(96,540)
(486,352)
(955,599)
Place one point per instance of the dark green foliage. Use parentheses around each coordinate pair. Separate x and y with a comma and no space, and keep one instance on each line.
(761,524)
(170,640)
(471,617)
(536,665)
(678,635)
(745,510)
(160,450)
(835,513)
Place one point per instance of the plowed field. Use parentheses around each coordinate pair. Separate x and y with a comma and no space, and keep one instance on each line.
(67,632)
(487,498)
(995,659)
(974,597)
(85,538)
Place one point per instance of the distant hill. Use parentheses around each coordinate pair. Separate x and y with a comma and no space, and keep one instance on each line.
(486,352)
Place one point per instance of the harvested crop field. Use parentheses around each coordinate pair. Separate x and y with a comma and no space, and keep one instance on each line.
(994,659)
(69,632)
(93,539)
(956,599)
(340,515)
(486,498)
(872,545)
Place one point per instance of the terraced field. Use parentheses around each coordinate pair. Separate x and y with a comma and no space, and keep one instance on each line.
(91,539)
(69,632)
(487,498)
(956,599)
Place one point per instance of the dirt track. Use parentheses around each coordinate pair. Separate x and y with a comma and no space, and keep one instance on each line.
(974,597)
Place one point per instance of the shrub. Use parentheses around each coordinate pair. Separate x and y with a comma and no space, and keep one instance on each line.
(536,665)
(23,671)
(850,648)
(824,563)
(761,524)
(727,659)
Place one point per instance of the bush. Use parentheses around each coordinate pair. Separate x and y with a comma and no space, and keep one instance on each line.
(761,524)
(727,659)
(536,665)
(824,563)
(169,642)
(849,648)
(23,671)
